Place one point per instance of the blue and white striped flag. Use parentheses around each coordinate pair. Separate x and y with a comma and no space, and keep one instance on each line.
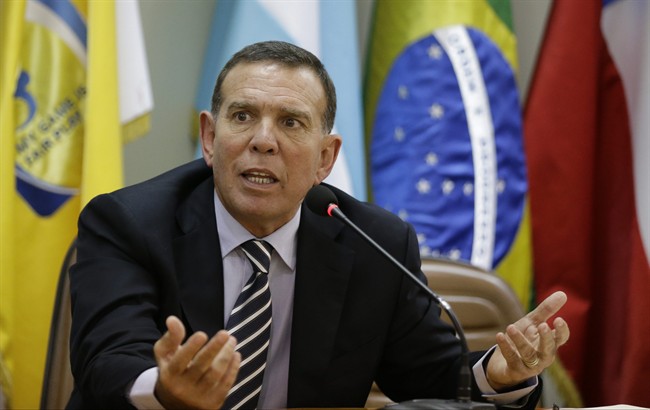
(327,29)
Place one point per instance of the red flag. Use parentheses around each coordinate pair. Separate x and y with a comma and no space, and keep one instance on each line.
(586,238)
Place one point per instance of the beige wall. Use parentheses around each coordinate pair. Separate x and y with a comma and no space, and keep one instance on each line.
(176,34)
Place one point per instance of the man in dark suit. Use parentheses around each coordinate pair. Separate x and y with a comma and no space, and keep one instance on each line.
(160,268)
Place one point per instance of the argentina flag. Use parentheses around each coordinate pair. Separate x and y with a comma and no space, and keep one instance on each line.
(327,29)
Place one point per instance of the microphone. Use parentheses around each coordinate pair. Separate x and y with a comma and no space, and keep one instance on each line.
(322,201)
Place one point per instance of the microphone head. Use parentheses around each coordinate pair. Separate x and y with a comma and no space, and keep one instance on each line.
(319,199)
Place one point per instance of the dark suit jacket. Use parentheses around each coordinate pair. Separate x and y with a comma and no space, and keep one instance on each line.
(152,250)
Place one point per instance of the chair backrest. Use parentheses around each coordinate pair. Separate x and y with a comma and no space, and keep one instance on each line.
(483,303)
(57,380)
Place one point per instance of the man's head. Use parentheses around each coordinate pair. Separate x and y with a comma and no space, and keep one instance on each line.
(267,138)
(285,54)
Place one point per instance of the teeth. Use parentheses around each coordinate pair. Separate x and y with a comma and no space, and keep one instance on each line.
(259,178)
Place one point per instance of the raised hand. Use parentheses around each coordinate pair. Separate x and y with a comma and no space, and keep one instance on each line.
(198,373)
(529,345)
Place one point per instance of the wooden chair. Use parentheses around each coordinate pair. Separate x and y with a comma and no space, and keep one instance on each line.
(57,380)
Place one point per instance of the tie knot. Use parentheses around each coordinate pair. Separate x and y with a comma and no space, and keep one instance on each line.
(259,254)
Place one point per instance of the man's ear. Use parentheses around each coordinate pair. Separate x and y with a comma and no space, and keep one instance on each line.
(330,148)
(207,134)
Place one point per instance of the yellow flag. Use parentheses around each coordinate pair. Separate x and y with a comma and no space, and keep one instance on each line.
(61,145)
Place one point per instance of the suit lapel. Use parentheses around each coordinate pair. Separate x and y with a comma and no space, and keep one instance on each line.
(322,274)
(198,261)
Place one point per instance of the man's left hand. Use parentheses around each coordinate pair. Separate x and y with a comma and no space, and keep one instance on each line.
(529,345)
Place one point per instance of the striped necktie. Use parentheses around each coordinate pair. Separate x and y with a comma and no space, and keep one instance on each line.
(250,324)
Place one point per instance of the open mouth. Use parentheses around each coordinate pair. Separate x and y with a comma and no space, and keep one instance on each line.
(260,178)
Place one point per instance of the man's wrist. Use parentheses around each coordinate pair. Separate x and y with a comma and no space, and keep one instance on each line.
(509,395)
(142,393)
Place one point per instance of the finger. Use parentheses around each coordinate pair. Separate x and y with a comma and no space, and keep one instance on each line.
(525,349)
(509,341)
(549,306)
(219,364)
(222,360)
(228,380)
(171,340)
(547,345)
(508,351)
(202,361)
(561,331)
(532,334)
(179,362)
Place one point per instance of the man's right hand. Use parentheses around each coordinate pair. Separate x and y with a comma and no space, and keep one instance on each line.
(198,373)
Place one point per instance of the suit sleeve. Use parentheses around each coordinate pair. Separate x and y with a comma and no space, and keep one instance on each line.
(115,304)
(422,358)
(421,355)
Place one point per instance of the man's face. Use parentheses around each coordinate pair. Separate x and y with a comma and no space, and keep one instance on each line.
(267,146)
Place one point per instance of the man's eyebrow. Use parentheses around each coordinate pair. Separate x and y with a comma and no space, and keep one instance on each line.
(286,110)
(239,105)
(293,112)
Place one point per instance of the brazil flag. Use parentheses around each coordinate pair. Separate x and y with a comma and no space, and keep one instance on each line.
(444,131)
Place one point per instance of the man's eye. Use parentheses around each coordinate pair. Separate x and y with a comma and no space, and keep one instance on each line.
(241,116)
(291,123)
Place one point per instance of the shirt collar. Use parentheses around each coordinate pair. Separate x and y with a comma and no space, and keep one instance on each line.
(232,234)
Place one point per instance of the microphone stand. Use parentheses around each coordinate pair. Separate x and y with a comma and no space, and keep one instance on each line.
(463,400)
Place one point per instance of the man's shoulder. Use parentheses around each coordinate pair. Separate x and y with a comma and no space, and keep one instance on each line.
(184,176)
(164,191)
(176,182)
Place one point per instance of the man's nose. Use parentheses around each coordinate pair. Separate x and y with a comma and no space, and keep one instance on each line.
(264,139)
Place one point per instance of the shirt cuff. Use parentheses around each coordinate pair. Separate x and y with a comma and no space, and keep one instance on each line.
(142,392)
(490,394)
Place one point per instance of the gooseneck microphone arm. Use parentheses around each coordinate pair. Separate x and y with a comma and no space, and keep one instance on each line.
(465,378)
(322,201)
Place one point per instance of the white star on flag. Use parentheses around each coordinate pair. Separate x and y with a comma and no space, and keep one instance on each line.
(435,51)
(447,186)
(501,186)
(403,92)
(468,188)
(399,134)
(423,186)
(432,159)
(436,111)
